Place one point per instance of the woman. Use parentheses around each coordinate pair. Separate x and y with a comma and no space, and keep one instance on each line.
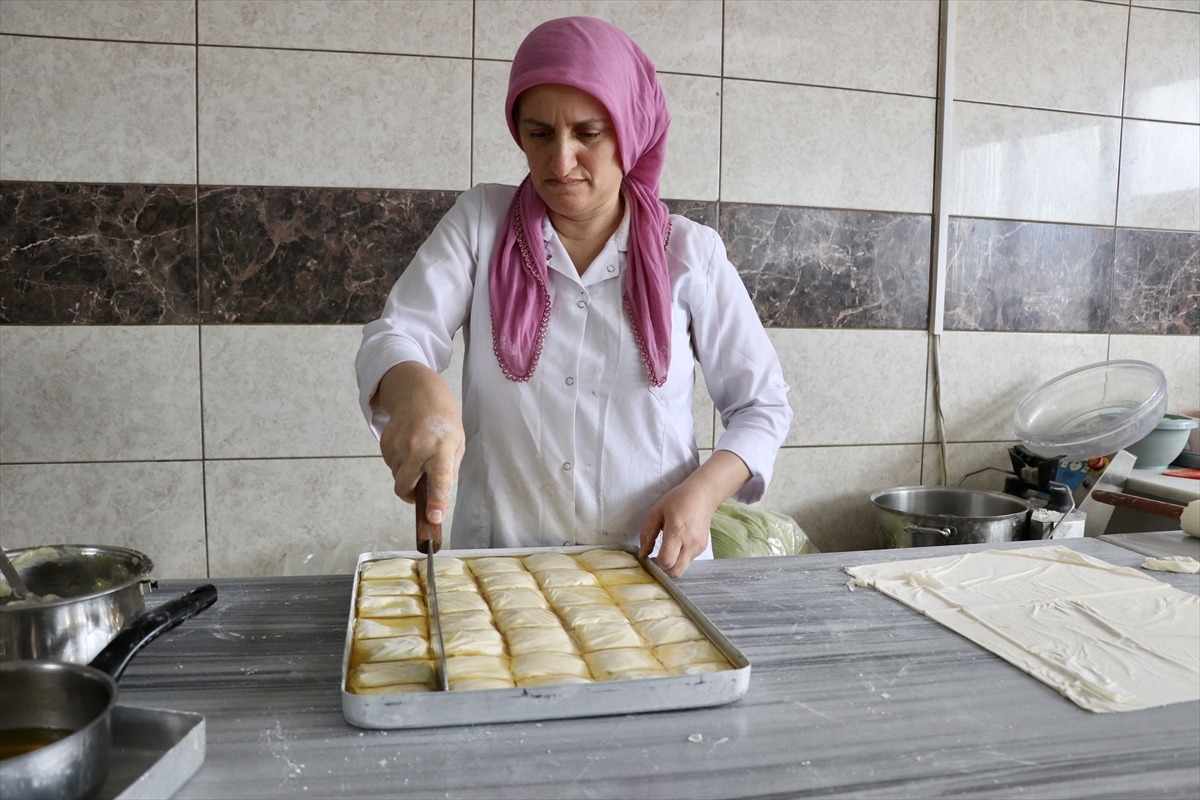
(584,307)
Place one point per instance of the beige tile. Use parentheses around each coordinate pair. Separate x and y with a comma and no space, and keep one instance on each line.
(263,513)
(805,146)
(985,375)
(140,20)
(827,490)
(409,27)
(1162,78)
(884,46)
(693,167)
(703,413)
(1177,356)
(1045,166)
(963,459)
(112,393)
(156,508)
(288,118)
(1175,5)
(1042,54)
(102,112)
(853,386)
(1160,175)
(678,37)
(496,158)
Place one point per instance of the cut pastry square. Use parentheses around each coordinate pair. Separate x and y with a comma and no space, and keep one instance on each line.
(503,581)
(698,669)
(492,565)
(473,643)
(552,680)
(391,606)
(386,587)
(387,673)
(540,562)
(386,628)
(554,578)
(514,618)
(564,596)
(388,568)
(461,667)
(624,577)
(700,651)
(458,602)
(535,665)
(394,688)
(522,641)
(474,684)
(448,584)
(607,662)
(653,609)
(600,559)
(638,592)
(590,615)
(669,630)
(637,674)
(517,598)
(396,648)
(607,636)
(443,565)
(466,621)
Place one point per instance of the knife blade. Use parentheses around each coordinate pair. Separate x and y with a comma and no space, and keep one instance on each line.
(429,541)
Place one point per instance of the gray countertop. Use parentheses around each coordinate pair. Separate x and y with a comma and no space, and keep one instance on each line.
(851,694)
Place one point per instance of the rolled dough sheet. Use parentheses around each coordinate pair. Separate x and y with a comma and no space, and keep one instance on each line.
(1184,564)
(1108,638)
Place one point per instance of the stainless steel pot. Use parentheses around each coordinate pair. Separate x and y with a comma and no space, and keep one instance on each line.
(921,516)
(101,589)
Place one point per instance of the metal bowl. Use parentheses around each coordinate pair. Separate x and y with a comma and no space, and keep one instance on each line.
(87,594)
(919,516)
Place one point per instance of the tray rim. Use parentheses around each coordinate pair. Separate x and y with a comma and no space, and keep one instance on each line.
(163,778)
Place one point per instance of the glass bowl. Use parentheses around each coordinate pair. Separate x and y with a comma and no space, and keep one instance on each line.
(1092,411)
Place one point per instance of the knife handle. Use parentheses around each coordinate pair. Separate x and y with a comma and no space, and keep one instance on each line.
(428,534)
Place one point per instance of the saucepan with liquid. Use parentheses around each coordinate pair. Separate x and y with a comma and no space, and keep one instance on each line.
(55,730)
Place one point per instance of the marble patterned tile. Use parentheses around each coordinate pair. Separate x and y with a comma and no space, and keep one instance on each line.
(98,254)
(295,118)
(853,387)
(156,508)
(1028,276)
(308,256)
(889,46)
(965,458)
(706,213)
(678,37)
(1041,54)
(1156,282)
(1160,175)
(407,27)
(985,375)
(1043,166)
(824,268)
(1177,356)
(140,20)
(261,513)
(1162,78)
(860,150)
(827,490)
(112,393)
(97,112)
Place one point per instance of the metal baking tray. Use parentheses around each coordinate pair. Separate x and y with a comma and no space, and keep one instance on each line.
(154,752)
(437,709)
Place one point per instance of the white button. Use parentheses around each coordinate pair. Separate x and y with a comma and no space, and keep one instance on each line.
(581,304)
(612,267)
(567,466)
(570,381)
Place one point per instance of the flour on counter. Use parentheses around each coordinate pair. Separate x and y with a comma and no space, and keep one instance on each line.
(1184,564)
(1108,638)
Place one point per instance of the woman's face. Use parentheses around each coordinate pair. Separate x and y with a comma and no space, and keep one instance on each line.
(571,144)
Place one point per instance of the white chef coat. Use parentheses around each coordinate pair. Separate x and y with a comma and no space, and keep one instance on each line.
(579,453)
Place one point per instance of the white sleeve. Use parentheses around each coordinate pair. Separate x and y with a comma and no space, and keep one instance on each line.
(742,372)
(427,305)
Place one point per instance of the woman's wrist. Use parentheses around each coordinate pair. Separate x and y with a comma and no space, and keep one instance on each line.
(716,480)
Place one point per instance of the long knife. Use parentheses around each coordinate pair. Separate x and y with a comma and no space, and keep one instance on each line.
(429,541)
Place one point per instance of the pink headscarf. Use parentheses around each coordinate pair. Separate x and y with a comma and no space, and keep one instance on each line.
(600,59)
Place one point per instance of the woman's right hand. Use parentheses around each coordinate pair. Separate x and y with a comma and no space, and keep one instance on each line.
(424,434)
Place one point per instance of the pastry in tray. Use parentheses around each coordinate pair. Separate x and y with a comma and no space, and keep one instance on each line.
(600,559)
(504,581)
(460,667)
(606,636)
(540,665)
(395,648)
(541,562)
(516,598)
(384,628)
(522,641)
(637,592)
(389,568)
(622,577)
(494,564)
(476,620)
(391,606)
(479,642)
(575,616)
(514,618)
(669,630)
(553,578)
(390,586)
(578,596)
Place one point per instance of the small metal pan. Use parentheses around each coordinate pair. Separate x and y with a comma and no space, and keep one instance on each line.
(70,706)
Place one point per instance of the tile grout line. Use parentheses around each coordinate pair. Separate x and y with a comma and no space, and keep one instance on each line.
(1112,274)
(199,315)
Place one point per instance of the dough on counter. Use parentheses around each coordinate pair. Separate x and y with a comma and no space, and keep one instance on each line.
(460,667)
(606,662)
(668,630)
(472,684)
(394,688)
(448,584)
(388,568)
(466,621)
(624,577)
(637,592)
(384,628)
(700,651)
(391,672)
(473,643)
(443,565)
(578,596)
(514,618)
(553,578)
(389,587)
(550,680)
(396,648)
(502,581)
(534,665)
(588,615)
(491,565)
(540,562)
(1184,564)
(653,609)
(391,606)
(600,559)
(516,598)
(522,641)
(458,602)
(607,636)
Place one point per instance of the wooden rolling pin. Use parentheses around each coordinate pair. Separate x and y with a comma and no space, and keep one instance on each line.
(1155,507)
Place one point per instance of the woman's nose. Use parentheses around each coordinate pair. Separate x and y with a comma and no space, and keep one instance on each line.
(563,158)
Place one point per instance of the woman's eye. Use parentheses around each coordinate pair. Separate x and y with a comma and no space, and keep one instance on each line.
(589,135)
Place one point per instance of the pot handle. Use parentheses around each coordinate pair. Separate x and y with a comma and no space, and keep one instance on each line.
(149,626)
(945,533)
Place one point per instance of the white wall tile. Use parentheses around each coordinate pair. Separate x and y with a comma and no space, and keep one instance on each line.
(103,112)
(678,37)
(1162,79)
(111,393)
(496,158)
(156,508)
(853,386)
(827,490)
(140,20)
(805,146)
(1160,175)
(1045,166)
(1175,5)
(288,118)
(693,167)
(985,375)
(260,512)
(410,27)
(1041,53)
(1177,356)
(883,45)
(965,458)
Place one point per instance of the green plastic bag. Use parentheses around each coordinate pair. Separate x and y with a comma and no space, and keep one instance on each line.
(742,531)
